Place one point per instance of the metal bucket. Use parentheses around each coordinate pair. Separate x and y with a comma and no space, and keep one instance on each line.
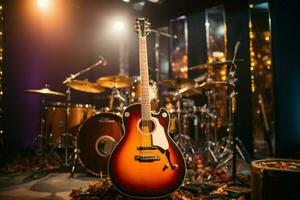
(271,180)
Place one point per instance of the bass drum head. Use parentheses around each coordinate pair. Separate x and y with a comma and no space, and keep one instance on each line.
(96,139)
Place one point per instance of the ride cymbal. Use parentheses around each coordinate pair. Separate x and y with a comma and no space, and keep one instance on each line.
(86,86)
(45,91)
(117,81)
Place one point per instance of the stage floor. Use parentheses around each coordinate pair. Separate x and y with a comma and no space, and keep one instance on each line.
(54,185)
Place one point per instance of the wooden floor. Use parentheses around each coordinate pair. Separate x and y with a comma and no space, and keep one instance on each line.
(54,185)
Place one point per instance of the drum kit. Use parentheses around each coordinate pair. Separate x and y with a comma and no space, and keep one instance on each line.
(92,133)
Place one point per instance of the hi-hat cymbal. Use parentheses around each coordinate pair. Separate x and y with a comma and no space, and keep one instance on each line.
(86,86)
(117,81)
(205,65)
(177,83)
(46,91)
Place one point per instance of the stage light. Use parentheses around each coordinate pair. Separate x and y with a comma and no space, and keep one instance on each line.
(43,3)
(139,6)
(119,26)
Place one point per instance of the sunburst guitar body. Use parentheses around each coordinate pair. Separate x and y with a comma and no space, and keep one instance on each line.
(146,163)
(139,168)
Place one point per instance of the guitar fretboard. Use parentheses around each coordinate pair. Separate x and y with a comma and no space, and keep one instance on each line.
(145,99)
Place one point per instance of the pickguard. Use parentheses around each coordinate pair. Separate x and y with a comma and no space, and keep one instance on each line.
(159,138)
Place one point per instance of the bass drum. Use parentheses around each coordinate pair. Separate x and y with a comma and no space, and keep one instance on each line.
(96,139)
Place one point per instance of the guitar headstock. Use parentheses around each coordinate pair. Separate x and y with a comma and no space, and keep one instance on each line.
(142,27)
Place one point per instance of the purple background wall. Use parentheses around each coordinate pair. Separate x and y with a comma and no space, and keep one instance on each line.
(45,47)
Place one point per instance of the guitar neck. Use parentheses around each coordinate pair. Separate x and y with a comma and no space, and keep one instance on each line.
(145,99)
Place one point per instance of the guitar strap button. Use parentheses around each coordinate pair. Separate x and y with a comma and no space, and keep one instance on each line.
(164,114)
(126,114)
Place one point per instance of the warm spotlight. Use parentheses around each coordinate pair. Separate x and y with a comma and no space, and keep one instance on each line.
(119,26)
(43,3)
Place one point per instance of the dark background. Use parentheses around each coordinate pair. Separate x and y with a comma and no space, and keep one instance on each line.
(41,47)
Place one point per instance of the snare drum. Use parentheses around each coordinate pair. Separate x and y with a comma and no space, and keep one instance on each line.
(56,115)
(135,92)
(96,139)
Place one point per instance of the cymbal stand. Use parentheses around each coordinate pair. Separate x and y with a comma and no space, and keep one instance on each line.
(233,144)
(183,141)
(65,135)
(68,80)
(41,138)
(67,115)
(210,142)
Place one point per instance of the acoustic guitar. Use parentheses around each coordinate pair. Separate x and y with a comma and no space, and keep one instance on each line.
(146,163)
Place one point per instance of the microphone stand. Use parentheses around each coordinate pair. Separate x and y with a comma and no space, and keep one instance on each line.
(232,110)
(232,127)
(231,80)
(68,100)
(102,61)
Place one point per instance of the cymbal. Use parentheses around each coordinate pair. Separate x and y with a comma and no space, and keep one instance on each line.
(191,92)
(184,92)
(210,84)
(46,91)
(178,83)
(205,65)
(86,86)
(117,81)
(201,78)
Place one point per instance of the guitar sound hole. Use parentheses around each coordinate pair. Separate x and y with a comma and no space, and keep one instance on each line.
(147,126)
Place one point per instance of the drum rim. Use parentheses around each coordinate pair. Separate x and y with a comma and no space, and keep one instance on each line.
(78,131)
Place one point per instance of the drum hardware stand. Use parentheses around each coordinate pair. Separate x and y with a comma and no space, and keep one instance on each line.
(41,135)
(40,139)
(210,145)
(40,173)
(115,94)
(234,142)
(183,141)
(75,159)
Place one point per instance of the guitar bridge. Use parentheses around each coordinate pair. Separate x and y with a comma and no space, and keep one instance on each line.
(146,158)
